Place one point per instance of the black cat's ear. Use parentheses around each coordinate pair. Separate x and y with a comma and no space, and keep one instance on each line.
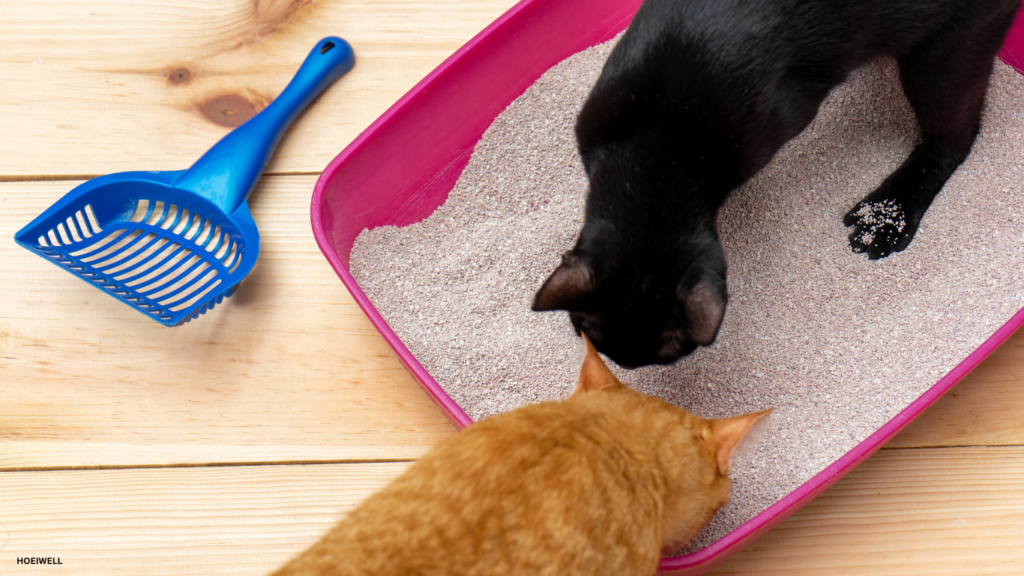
(704,307)
(567,285)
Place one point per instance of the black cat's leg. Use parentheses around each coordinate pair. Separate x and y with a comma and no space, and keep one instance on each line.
(944,79)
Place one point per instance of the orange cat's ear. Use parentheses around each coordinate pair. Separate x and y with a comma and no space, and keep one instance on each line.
(724,435)
(594,375)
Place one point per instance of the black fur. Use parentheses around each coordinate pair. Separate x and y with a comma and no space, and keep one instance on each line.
(697,97)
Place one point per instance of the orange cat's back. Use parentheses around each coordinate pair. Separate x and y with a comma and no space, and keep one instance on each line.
(530,476)
(589,485)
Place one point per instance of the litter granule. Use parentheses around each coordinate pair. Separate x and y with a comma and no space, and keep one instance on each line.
(836,343)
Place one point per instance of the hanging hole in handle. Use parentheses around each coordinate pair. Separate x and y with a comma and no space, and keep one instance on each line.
(326,47)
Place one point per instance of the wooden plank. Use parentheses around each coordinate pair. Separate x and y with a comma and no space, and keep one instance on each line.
(89,382)
(288,369)
(206,520)
(904,512)
(948,511)
(90,88)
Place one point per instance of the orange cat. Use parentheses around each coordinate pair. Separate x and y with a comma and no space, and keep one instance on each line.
(600,483)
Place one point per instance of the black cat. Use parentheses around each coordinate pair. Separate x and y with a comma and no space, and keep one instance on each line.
(697,97)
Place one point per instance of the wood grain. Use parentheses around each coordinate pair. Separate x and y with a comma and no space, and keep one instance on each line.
(177,521)
(89,89)
(949,511)
(946,511)
(288,369)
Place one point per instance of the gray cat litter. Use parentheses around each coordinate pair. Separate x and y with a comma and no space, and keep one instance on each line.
(836,343)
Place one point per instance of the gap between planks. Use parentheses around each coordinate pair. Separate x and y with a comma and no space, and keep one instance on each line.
(337,462)
(80,178)
(209,465)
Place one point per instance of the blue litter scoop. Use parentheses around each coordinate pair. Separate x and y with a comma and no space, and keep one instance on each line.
(172,245)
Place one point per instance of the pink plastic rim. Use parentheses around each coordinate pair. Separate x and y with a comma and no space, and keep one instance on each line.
(402,167)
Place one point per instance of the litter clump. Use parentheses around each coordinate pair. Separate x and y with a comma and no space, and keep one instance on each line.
(876,216)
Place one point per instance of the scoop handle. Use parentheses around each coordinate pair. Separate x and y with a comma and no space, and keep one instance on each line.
(228,172)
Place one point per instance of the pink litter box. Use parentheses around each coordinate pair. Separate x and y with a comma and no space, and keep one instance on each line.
(403,166)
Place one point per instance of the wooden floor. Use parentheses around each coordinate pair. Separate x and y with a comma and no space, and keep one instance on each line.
(229,444)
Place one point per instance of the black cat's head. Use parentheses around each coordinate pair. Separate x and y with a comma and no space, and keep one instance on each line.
(640,315)
(646,279)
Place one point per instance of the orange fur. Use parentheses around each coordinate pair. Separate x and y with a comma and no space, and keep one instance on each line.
(600,483)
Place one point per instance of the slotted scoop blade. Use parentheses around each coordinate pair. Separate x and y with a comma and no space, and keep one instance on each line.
(174,244)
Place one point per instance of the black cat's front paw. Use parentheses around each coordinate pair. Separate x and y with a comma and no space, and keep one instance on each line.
(880,227)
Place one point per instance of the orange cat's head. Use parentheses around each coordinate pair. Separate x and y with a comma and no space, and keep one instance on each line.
(691,453)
